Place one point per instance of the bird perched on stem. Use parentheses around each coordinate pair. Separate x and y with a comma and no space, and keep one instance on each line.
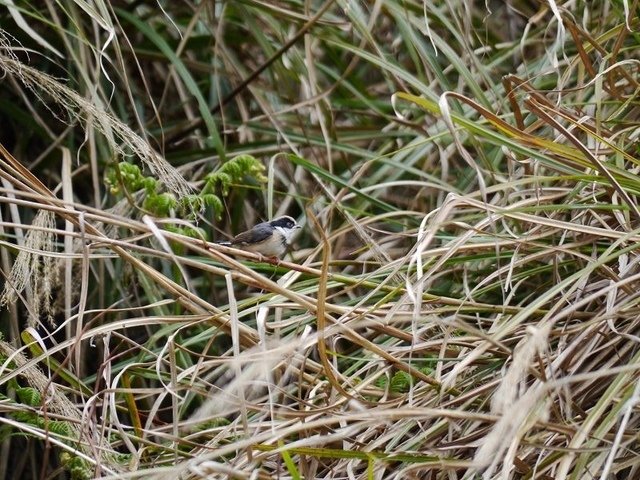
(269,239)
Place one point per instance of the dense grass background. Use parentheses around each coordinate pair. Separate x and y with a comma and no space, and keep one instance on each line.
(462,301)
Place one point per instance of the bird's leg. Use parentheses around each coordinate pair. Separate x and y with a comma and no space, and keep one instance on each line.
(271,259)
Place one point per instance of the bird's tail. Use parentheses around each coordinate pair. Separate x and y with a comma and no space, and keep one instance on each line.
(225,243)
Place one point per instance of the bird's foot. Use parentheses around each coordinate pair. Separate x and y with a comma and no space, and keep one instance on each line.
(272,260)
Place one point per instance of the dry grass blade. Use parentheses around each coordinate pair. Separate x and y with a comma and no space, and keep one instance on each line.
(461,302)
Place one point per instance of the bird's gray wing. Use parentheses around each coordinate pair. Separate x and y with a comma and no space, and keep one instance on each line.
(260,232)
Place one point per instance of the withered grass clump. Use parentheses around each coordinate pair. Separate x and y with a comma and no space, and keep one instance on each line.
(461,303)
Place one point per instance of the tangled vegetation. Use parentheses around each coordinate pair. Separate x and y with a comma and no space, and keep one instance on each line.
(462,302)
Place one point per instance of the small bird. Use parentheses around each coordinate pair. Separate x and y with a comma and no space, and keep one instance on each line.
(270,239)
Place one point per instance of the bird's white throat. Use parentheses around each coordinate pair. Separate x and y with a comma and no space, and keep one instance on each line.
(287,233)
